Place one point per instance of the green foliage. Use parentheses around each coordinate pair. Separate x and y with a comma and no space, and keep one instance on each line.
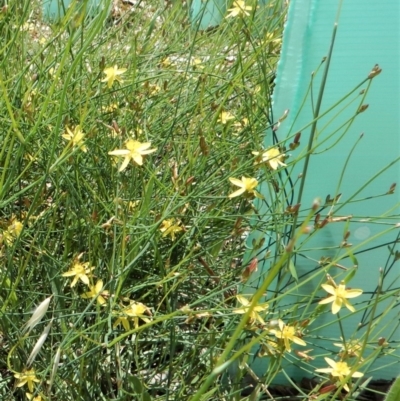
(394,392)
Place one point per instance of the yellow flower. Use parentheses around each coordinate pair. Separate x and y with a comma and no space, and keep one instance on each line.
(340,370)
(96,291)
(15,228)
(196,63)
(152,88)
(13,232)
(112,74)
(269,348)
(76,138)
(170,227)
(225,116)
(81,271)
(135,150)
(30,397)
(110,108)
(350,349)
(272,157)
(254,312)
(239,8)
(242,124)
(27,377)
(246,185)
(133,312)
(166,62)
(287,334)
(339,296)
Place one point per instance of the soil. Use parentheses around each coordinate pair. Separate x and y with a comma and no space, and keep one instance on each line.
(376,390)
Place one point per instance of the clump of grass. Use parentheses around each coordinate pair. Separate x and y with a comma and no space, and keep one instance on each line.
(132,154)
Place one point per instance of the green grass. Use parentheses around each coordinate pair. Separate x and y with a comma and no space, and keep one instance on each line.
(62,206)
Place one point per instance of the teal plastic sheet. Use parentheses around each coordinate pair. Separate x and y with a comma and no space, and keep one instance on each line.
(53,10)
(360,169)
(206,14)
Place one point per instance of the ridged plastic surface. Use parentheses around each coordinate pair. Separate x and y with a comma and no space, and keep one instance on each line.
(368,33)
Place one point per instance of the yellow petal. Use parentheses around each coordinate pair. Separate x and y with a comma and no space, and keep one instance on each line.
(244,301)
(236,182)
(298,341)
(69,273)
(349,306)
(138,159)
(124,164)
(237,193)
(240,311)
(336,305)
(353,293)
(326,300)
(119,152)
(324,370)
(330,362)
(329,289)
(125,323)
(98,287)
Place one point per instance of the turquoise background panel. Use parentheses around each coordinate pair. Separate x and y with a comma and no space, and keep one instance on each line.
(368,34)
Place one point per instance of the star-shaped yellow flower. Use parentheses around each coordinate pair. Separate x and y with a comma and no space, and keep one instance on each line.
(339,370)
(246,186)
(239,8)
(170,227)
(96,291)
(75,137)
(272,157)
(112,74)
(287,334)
(27,377)
(134,151)
(134,311)
(254,315)
(339,296)
(225,116)
(81,271)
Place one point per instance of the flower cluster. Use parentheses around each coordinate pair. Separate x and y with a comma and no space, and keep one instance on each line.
(340,371)
(83,272)
(133,149)
(271,158)
(284,334)
(288,334)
